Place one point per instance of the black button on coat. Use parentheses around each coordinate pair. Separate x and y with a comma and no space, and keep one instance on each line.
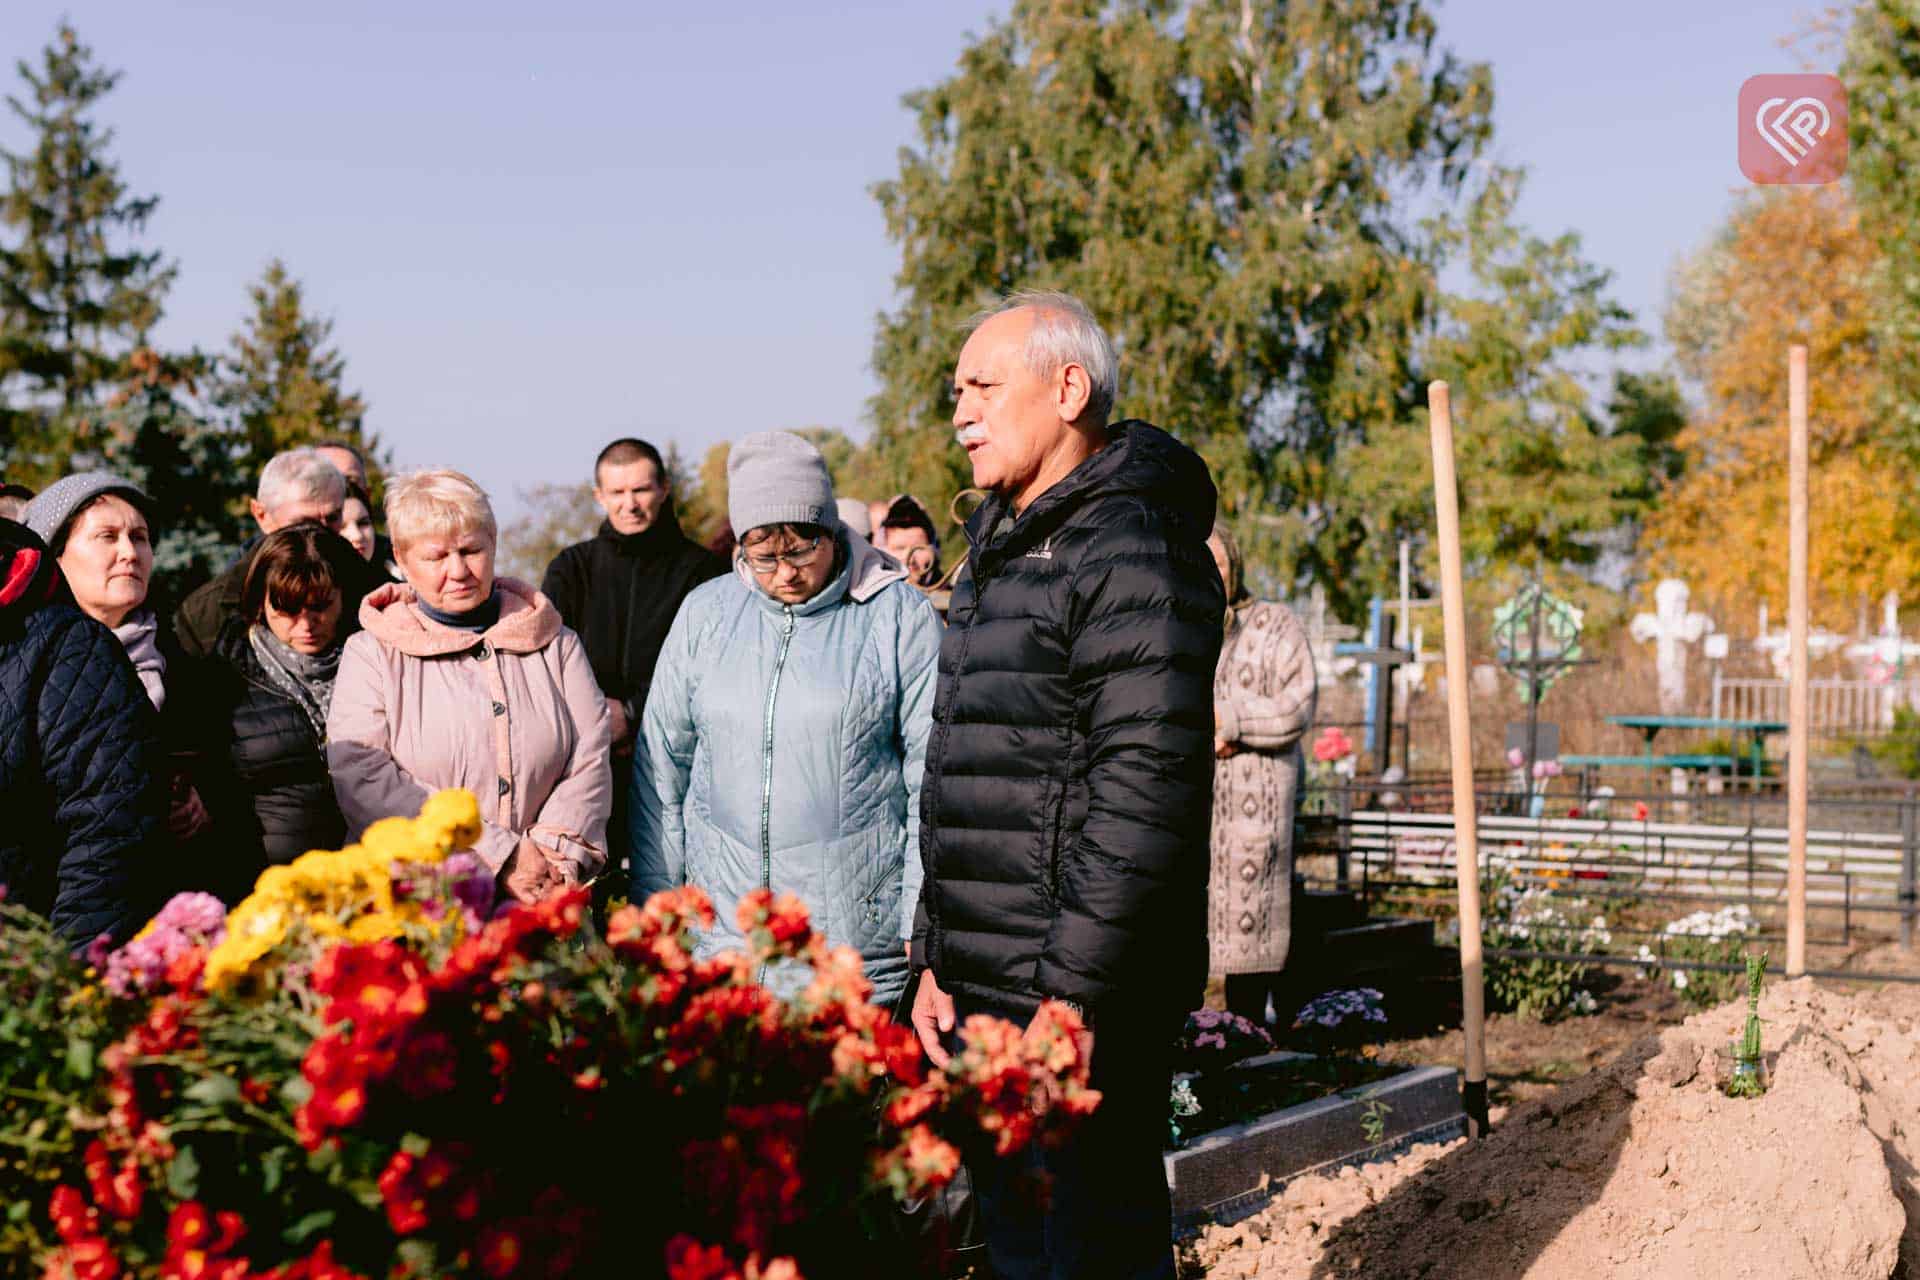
(1066,808)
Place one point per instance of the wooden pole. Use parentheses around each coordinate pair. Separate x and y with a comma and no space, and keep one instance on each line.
(1466,831)
(1797,688)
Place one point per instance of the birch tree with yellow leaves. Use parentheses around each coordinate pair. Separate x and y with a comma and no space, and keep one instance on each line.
(1790,266)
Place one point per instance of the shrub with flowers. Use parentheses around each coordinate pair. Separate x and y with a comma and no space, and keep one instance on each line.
(1715,937)
(1534,919)
(357,1075)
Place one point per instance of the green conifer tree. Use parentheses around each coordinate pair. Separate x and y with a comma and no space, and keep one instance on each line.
(77,294)
(281,384)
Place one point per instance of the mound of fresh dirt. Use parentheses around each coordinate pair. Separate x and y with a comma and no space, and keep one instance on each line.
(1644,1170)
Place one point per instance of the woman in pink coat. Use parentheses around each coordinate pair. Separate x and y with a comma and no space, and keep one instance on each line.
(459,679)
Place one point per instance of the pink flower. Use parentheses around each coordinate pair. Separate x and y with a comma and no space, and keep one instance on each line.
(1332,745)
(1516,757)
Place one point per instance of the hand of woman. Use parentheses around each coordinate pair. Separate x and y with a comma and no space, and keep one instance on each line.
(527,875)
(187,816)
(1224,750)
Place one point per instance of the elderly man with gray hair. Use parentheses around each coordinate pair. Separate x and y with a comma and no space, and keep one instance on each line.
(1068,787)
(299,486)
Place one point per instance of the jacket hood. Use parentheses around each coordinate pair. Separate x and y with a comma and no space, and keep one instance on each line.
(528,622)
(29,576)
(1139,460)
(867,571)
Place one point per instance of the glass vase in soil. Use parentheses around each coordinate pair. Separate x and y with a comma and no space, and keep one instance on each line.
(1745,1078)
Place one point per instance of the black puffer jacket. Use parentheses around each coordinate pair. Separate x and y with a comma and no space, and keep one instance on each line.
(1067,801)
(82,791)
(279,761)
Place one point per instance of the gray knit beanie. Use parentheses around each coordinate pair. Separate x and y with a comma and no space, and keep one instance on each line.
(53,510)
(775,477)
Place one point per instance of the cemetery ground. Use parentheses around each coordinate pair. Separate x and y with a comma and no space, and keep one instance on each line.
(1614,1153)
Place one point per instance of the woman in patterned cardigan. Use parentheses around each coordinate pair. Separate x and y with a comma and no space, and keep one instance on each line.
(1263,700)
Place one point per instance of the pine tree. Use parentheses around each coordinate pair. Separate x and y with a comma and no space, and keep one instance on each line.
(76,296)
(155,430)
(280,383)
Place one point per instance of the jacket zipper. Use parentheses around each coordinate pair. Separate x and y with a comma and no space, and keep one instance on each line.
(766,759)
(937,750)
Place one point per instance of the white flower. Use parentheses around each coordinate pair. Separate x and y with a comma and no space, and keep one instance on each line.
(1679,979)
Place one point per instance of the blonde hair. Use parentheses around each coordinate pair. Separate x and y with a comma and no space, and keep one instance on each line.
(443,503)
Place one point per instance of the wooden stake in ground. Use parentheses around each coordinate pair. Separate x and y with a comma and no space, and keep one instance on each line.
(1797,689)
(1466,831)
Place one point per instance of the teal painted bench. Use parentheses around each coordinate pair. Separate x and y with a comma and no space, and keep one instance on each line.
(1681,761)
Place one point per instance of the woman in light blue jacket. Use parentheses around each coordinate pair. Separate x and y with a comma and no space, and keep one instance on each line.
(785,734)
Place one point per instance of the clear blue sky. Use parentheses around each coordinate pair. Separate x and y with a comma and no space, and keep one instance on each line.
(539,226)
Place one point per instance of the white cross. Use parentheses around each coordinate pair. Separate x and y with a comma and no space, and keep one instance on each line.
(1671,626)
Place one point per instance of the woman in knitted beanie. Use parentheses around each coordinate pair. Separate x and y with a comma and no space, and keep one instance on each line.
(785,735)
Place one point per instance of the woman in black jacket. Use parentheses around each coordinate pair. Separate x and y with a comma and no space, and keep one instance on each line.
(82,792)
(282,651)
(100,529)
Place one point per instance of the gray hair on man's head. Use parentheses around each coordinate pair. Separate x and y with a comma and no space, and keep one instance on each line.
(299,475)
(1064,333)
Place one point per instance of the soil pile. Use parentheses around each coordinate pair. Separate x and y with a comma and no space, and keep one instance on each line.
(1643,1170)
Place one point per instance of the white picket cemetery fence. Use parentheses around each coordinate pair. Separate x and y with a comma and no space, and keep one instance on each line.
(1847,869)
(1838,707)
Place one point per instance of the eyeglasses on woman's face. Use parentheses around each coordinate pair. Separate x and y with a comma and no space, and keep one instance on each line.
(795,557)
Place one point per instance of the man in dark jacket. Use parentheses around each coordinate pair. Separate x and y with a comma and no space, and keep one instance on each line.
(82,787)
(1066,806)
(620,589)
(296,487)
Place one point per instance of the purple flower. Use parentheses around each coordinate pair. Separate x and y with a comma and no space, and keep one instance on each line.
(188,920)
(472,883)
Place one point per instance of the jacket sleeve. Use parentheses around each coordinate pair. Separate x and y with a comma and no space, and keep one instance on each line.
(919,662)
(1276,723)
(561,585)
(196,732)
(100,750)
(196,623)
(662,768)
(1143,630)
(369,783)
(572,822)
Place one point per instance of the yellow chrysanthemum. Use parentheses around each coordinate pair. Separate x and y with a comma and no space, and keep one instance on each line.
(449,820)
(393,840)
(253,929)
(346,893)
(374,926)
